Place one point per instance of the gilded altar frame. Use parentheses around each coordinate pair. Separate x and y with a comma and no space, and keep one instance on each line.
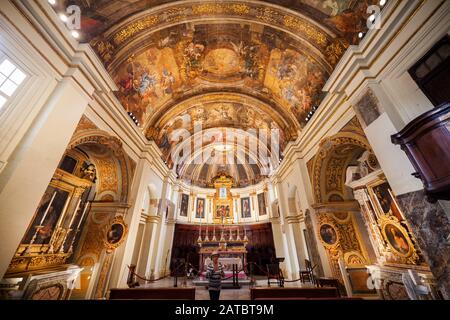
(29,256)
(223,181)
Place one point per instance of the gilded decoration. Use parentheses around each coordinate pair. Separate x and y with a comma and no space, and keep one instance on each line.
(339,238)
(114,167)
(399,245)
(211,56)
(223,200)
(46,242)
(335,172)
(282,55)
(248,11)
(115,234)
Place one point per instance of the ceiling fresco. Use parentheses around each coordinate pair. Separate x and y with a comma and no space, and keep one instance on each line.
(229,64)
(101,15)
(195,58)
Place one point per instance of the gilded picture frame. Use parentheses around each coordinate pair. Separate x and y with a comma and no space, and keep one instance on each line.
(397,238)
(383,199)
(115,234)
(328,235)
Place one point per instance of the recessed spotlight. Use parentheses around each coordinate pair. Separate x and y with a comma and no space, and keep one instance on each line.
(372,18)
(63,17)
(360,35)
(75,34)
(52,2)
(382,2)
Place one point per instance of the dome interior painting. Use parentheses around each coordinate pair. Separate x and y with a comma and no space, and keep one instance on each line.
(247,65)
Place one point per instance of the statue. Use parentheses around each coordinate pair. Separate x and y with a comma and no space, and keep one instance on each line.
(88,172)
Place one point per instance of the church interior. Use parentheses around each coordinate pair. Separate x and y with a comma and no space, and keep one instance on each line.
(306,142)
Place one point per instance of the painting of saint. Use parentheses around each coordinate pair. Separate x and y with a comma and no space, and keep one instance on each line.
(222,211)
(386,201)
(246,210)
(396,239)
(262,204)
(200,213)
(47,215)
(328,234)
(115,233)
(184,205)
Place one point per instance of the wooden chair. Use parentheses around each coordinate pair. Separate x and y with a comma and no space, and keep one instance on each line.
(308,274)
(274,272)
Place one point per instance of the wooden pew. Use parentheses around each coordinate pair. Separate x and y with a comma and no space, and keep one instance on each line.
(153,294)
(293,293)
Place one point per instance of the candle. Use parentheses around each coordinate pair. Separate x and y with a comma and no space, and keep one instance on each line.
(63,213)
(48,209)
(74,213)
(82,216)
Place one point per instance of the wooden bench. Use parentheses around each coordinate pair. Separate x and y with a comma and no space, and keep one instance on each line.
(293,293)
(153,294)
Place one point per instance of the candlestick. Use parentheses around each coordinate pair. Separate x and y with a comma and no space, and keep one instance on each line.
(207,234)
(63,213)
(82,216)
(74,214)
(214,239)
(48,208)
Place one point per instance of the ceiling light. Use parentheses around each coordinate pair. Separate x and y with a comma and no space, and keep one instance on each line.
(360,35)
(75,34)
(63,17)
(52,2)
(382,2)
(372,18)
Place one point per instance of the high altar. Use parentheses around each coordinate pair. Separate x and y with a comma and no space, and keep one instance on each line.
(225,238)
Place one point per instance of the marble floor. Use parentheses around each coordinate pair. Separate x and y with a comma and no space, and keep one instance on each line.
(226,294)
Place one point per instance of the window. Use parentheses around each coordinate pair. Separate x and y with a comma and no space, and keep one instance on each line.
(432,73)
(11,78)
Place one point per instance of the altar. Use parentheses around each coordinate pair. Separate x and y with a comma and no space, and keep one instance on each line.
(223,237)
(233,257)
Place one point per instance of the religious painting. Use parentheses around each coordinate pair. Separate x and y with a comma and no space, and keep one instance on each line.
(116,233)
(222,211)
(397,238)
(223,193)
(246,208)
(47,215)
(200,212)
(184,205)
(147,79)
(328,234)
(295,80)
(385,201)
(262,204)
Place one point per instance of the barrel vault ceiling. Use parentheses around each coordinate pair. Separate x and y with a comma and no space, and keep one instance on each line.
(235,65)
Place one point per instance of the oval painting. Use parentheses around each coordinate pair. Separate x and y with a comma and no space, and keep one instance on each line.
(328,234)
(115,233)
(397,239)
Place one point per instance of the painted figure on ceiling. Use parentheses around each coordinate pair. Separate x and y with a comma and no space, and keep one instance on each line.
(192,54)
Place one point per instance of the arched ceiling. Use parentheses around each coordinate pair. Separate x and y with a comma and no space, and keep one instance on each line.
(227,64)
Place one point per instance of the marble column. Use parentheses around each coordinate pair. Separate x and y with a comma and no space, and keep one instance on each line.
(431,228)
